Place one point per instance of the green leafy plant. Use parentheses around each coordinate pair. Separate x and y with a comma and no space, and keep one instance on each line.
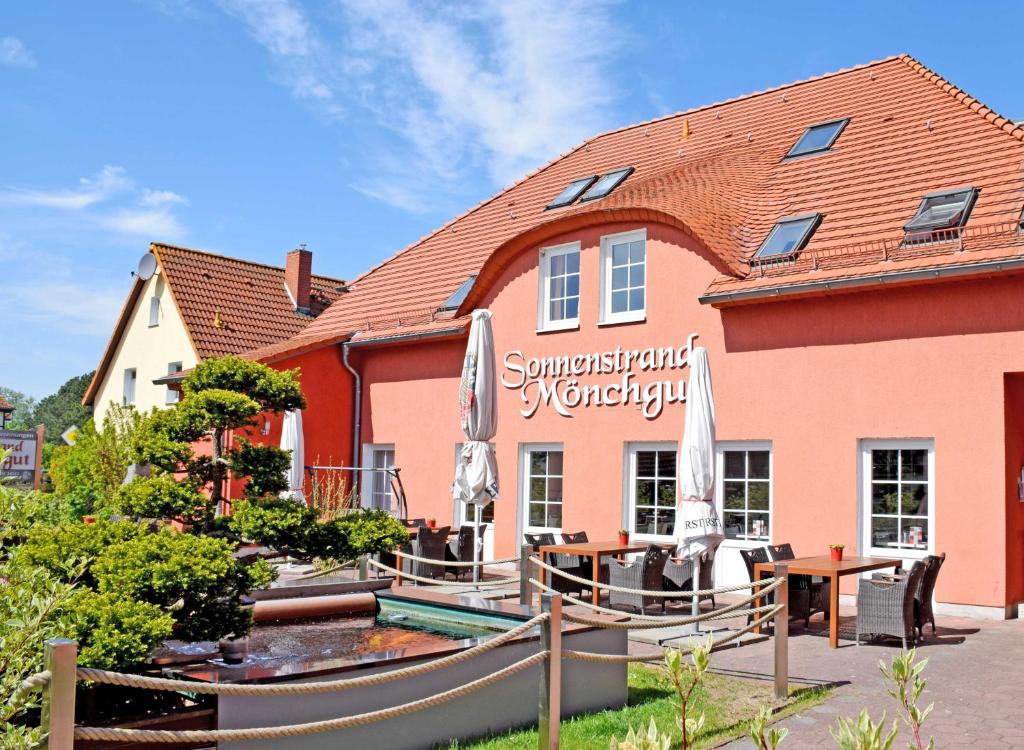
(114,631)
(905,674)
(652,739)
(765,737)
(862,733)
(61,550)
(685,677)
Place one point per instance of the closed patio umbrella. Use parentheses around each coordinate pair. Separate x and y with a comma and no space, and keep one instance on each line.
(291,440)
(699,527)
(476,474)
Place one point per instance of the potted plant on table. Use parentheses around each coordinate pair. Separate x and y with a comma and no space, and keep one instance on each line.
(836,550)
(623,536)
(431,523)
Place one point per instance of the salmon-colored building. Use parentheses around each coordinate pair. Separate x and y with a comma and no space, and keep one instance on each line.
(848,249)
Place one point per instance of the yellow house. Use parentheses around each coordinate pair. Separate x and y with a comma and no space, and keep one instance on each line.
(186,305)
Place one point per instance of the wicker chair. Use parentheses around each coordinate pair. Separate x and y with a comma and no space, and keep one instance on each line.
(923,612)
(678,576)
(460,549)
(429,543)
(799,598)
(562,562)
(645,573)
(886,607)
(819,588)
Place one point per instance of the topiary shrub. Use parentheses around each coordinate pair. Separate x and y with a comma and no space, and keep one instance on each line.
(113,631)
(162,496)
(281,524)
(194,578)
(63,550)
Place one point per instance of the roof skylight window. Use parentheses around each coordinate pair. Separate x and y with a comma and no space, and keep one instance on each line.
(572,191)
(940,216)
(459,295)
(787,238)
(818,138)
(606,184)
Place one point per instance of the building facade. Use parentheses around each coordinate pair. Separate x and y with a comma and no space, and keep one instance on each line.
(847,249)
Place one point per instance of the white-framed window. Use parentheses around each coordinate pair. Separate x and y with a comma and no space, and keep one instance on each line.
(624,277)
(173,394)
(377,491)
(651,491)
(542,486)
(898,497)
(129,386)
(744,491)
(154,311)
(559,298)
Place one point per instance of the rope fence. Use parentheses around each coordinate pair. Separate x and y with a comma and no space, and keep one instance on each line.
(401,574)
(62,673)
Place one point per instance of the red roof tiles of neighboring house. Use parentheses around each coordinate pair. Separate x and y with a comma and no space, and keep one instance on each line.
(228,306)
(719,174)
(5,405)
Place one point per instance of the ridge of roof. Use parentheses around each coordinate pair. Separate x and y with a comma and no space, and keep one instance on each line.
(1015,129)
(231,258)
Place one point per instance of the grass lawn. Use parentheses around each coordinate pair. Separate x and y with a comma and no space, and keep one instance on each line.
(727,702)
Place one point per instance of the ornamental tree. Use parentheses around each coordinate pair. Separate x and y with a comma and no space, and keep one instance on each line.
(220,396)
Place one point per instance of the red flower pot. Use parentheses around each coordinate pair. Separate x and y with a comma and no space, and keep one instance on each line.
(623,539)
(431,523)
(88,519)
(837,553)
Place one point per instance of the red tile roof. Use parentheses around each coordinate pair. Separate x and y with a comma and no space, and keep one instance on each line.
(228,306)
(5,405)
(717,172)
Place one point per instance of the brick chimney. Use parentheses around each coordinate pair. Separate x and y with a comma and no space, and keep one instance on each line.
(297,272)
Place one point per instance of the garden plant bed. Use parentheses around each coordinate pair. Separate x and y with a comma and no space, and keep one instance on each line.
(728,703)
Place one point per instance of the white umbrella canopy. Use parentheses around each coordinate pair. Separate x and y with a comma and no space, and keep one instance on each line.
(292,440)
(699,527)
(476,475)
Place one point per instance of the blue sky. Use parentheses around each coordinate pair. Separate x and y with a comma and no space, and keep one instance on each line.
(249,126)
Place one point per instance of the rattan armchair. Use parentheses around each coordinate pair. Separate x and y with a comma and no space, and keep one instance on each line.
(460,549)
(923,612)
(799,598)
(568,563)
(886,607)
(818,588)
(431,544)
(645,573)
(678,576)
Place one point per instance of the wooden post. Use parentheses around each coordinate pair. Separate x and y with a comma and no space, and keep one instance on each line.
(398,567)
(363,572)
(39,457)
(525,589)
(781,634)
(58,716)
(550,715)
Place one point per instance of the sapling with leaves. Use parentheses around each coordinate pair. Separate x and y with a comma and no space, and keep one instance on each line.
(765,737)
(908,685)
(863,733)
(685,677)
(652,739)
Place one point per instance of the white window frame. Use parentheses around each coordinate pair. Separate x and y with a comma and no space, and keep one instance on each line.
(744,445)
(524,485)
(129,387)
(607,317)
(864,499)
(173,395)
(366,481)
(154,311)
(631,459)
(544,323)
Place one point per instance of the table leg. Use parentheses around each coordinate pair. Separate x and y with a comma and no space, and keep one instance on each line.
(595,574)
(757,599)
(833,615)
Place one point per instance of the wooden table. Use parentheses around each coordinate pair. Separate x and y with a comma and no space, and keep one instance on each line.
(826,567)
(595,551)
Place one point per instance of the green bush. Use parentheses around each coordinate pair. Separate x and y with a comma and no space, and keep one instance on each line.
(195,578)
(115,632)
(277,523)
(371,531)
(162,496)
(264,465)
(62,550)
(274,390)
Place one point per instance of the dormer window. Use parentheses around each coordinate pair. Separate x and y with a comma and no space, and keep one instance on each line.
(940,216)
(787,238)
(572,191)
(459,295)
(606,184)
(818,138)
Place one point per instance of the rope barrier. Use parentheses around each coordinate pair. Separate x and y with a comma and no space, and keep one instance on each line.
(30,683)
(327,572)
(627,658)
(305,688)
(774,584)
(644,592)
(456,563)
(113,734)
(424,579)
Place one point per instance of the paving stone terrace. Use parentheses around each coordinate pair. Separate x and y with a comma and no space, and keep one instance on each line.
(973,674)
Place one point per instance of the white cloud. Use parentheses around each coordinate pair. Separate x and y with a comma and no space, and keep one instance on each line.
(160,198)
(154,224)
(110,181)
(503,85)
(14,53)
(86,309)
(9,247)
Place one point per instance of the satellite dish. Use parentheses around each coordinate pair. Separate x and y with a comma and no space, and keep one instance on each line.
(147,266)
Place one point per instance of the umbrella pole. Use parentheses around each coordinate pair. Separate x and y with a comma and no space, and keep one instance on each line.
(476,542)
(695,601)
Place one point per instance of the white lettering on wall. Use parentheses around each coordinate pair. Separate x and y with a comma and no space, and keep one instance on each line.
(556,381)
